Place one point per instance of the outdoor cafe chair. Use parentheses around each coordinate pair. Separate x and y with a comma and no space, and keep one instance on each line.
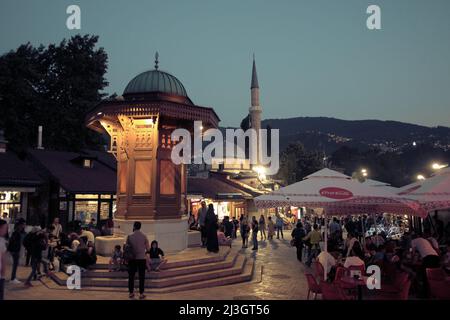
(312,286)
(403,294)
(438,283)
(319,270)
(331,291)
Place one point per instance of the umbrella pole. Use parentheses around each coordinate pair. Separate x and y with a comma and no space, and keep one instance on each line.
(364,231)
(325,247)
(376,228)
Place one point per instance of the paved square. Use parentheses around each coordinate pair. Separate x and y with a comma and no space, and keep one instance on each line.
(277,275)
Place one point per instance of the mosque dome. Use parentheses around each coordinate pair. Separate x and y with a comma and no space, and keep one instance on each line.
(156,82)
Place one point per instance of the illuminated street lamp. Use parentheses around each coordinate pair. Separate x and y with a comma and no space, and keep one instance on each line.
(438,166)
(420,177)
(261,171)
(364,172)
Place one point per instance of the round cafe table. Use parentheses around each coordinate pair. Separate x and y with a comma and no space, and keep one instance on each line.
(358,283)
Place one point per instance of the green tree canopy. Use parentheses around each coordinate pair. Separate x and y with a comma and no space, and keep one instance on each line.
(296,163)
(54,87)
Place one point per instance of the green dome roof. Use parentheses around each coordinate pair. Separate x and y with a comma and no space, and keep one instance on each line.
(155,81)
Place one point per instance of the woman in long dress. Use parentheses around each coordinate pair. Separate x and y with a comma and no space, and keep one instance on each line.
(270,228)
(212,242)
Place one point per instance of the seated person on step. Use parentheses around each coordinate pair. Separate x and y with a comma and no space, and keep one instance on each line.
(223,240)
(116,260)
(155,258)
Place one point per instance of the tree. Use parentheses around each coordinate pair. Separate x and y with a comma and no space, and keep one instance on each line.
(296,163)
(53,87)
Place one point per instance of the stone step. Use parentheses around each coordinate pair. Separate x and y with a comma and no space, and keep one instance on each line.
(245,276)
(166,273)
(187,280)
(176,263)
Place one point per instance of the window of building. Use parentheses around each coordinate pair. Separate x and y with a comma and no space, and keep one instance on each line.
(142,177)
(167,178)
(87,163)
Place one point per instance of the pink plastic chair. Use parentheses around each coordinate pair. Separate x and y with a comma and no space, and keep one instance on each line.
(400,279)
(319,271)
(402,294)
(437,274)
(332,292)
(312,286)
(360,268)
(341,272)
(439,287)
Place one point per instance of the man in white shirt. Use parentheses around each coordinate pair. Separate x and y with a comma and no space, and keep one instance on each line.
(326,260)
(430,258)
(353,261)
(58,228)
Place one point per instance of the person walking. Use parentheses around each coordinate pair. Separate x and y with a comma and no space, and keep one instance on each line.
(58,228)
(212,242)
(3,232)
(39,243)
(297,236)
(254,233)
(314,237)
(262,227)
(201,221)
(236,227)
(279,224)
(14,246)
(245,229)
(270,228)
(136,246)
(228,227)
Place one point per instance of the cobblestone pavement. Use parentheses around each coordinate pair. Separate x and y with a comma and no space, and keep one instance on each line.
(278,275)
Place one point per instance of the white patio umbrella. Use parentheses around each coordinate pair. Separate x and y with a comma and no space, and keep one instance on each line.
(338,194)
(432,193)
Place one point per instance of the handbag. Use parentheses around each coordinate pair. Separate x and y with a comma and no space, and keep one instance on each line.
(128,253)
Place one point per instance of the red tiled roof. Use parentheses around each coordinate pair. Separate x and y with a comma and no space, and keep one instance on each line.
(101,178)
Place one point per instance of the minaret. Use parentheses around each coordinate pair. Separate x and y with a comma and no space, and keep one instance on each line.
(255,110)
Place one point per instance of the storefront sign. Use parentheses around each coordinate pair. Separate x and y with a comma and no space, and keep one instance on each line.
(336,193)
(9,196)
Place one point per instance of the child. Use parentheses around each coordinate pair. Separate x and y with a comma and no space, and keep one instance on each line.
(156,257)
(223,240)
(116,259)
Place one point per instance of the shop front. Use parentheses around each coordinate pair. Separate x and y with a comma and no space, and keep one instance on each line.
(18,183)
(14,201)
(226,199)
(80,186)
(85,207)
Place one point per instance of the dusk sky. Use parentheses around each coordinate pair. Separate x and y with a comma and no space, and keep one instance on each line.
(314,57)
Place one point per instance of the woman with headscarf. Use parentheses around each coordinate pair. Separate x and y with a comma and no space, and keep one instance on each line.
(212,242)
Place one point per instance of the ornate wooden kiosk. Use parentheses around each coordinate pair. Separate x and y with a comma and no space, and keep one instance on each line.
(150,187)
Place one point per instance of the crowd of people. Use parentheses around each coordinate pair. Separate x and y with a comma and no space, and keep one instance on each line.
(348,247)
(227,230)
